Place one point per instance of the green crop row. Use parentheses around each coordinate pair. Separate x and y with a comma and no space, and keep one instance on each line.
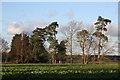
(39,71)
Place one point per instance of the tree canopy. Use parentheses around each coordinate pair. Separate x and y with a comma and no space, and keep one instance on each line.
(32,49)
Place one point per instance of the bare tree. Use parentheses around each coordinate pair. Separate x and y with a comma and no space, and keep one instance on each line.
(85,43)
(90,43)
(69,32)
(94,47)
(108,49)
(3,49)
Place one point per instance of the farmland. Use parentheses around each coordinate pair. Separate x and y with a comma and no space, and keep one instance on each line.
(42,71)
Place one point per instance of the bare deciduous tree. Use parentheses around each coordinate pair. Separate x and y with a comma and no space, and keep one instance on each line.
(3,49)
(69,31)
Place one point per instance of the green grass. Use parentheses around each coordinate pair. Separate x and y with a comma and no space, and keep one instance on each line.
(42,71)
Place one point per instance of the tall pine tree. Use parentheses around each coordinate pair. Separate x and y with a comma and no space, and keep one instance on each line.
(15,48)
(20,48)
(61,51)
(100,26)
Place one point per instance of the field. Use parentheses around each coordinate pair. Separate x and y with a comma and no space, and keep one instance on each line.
(42,71)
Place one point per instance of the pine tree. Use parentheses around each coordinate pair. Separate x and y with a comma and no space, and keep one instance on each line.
(37,40)
(61,51)
(100,27)
(20,48)
(16,48)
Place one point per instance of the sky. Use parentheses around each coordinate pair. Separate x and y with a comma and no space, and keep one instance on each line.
(26,16)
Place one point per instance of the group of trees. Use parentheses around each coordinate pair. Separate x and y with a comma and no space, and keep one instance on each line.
(94,40)
(25,49)
(90,41)
(20,49)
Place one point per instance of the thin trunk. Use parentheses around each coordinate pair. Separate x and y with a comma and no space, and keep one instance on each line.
(22,48)
(60,61)
(99,51)
(94,57)
(55,61)
(102,58)
(26,59)
(55,50)
(6,60)
(21,55)
(87,59)
(52,58)
(88,49)
(83,56)
(71,47)
(87,56)
(55,55)
(17,60)
(71,59)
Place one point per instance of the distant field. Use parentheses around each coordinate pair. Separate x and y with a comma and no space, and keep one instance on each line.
(42,71)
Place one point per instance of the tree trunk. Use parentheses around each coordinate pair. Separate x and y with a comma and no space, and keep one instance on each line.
(83,57)
(22,49)
(52,59)
(87,59)
(71,59)
(94,57)
(16,61)
(71,48)
(55,54)
(55,61)
(71,52)
(99,51)
(6,60)
(21,55)
(59,61)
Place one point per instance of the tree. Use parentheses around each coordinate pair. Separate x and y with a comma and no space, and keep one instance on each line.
(101,24)
(37,40)
(20,48)
(102,39)
(100,27)
(83,37)
(40,35)
(15,52)
(26,49)
(69,32)
(94,47)
(89,44)
(53,47)
(61,51)
(4,49)
(51,38)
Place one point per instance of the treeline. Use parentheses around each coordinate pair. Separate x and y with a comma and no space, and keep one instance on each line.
(106,58)
(25,49)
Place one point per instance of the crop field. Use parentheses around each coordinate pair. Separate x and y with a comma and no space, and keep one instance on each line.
(42,71)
